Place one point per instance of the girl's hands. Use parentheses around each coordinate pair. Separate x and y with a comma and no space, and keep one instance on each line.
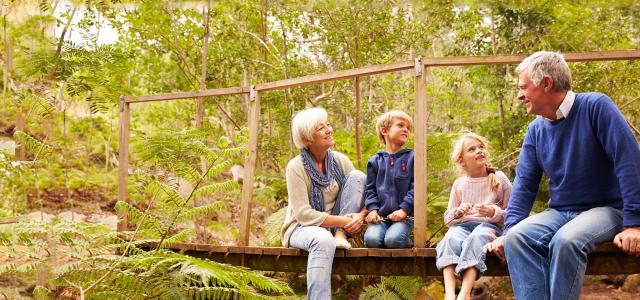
(373,217)
(397,215)
(485,210)
(462,210)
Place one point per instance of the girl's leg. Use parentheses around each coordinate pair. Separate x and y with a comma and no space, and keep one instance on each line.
(449,282)
(321,245)
(399,235)
(474,248)
(449,248)
(468,278)
(374,236)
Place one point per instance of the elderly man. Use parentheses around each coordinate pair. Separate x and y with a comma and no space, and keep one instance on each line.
(583,144)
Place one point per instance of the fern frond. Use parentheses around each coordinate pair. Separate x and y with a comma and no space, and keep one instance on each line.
(405,286)
(235,152)
(273,226)
(219,168)
(205,210)
(378,292)
(212,188)
(186,171)
(136,216)
(177,238)
(32,144)
(41,292)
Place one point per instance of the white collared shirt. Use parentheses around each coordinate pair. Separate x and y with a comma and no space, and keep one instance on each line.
(565,106)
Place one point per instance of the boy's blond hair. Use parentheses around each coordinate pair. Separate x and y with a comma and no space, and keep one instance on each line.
(386,120)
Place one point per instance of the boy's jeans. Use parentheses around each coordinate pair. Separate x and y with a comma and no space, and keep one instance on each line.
(389,234)
(321,244)
(547,252)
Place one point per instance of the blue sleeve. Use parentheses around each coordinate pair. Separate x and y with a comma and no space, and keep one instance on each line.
(526,183)
(407,202)
(622,148)
(371,201)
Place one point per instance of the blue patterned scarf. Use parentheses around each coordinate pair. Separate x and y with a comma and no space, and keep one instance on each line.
(320,181)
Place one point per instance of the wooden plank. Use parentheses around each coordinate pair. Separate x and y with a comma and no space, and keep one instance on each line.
(516,59)
(420,161)
(123,159)
(425,252)
(377,252)
(189,95)
(337,75)
(357,252)
(249,170)
(402,253)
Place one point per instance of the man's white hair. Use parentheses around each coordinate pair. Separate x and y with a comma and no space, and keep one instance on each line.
(546,63)
(304,123)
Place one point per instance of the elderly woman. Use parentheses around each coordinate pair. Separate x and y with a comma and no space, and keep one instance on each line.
(325,199)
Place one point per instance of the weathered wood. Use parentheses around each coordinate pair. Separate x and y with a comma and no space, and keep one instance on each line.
(337,75)
(516,59)
(186,95)
(420,158)
(607,259)
(249,170)
(123,159)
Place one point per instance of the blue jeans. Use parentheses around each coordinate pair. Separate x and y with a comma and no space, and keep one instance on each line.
(321,244)
(547,252)
(389,234)
(465,245)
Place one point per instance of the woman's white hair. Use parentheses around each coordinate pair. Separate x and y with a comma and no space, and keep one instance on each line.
(546,63)
(304,123)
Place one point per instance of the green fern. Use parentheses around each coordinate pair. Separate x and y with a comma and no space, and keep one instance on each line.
(273,226)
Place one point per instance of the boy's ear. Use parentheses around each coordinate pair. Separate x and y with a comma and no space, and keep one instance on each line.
(384,130)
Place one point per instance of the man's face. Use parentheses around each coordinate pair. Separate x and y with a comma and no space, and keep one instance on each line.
(533,97)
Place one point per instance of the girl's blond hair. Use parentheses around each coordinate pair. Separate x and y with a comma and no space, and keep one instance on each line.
(456,157)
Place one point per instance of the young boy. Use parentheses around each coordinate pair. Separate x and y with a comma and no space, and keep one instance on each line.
(389,187)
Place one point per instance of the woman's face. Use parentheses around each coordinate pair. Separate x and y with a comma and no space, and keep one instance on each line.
(322,137)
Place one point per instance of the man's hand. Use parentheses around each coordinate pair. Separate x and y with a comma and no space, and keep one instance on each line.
(485,210)
(629,240)
(497,247)
(356,225)
(397,215)
(373,217)
(462,210)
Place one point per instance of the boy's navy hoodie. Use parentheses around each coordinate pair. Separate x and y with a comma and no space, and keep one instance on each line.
(390,182)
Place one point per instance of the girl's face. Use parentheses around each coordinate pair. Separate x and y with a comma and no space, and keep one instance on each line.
(474,155)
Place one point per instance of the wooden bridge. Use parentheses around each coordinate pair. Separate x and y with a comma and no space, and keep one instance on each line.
(418,261)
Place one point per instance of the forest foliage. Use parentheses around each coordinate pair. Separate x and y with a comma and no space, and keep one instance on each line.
(66,63)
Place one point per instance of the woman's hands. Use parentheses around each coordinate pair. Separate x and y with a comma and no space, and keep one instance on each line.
(357,224)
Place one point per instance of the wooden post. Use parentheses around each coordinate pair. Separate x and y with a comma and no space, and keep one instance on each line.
(420,159)
(123,160)
(249,166)
(357,122)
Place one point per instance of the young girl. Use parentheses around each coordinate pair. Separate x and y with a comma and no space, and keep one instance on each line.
(474,215)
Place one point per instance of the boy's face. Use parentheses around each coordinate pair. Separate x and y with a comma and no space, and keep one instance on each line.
(398,133)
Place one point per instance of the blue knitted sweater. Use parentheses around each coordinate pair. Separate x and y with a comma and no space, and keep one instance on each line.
(591,158)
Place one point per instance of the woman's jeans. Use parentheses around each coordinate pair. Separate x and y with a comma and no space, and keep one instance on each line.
(547,252)
(389,234)
(465,245)
(321,244)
